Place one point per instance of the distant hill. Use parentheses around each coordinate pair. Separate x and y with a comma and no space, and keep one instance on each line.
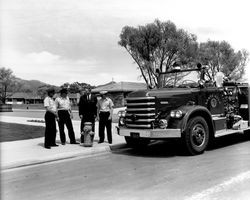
(30,85)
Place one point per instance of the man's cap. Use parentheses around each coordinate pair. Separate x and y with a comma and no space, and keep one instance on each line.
(64,90)
(103,92)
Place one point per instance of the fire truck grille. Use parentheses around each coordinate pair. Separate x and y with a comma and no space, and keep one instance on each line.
(140,112)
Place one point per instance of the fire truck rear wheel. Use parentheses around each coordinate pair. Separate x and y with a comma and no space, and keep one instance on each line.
(136,142)
(196,136)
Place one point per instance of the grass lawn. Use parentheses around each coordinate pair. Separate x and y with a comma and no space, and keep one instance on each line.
(12,131)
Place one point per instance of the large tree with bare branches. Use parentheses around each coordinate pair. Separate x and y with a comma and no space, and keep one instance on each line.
(158,45)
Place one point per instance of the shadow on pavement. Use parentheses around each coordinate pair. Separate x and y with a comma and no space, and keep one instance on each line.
(171,148)
(163,148)
(228,140)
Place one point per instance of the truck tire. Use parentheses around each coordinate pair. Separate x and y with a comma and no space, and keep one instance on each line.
(136,142)
(196,136)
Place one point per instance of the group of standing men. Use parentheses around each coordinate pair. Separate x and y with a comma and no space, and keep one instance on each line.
(90,110)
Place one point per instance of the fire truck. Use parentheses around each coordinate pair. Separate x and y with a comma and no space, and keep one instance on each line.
(187,106)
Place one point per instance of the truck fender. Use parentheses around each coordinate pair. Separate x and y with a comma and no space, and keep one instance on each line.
(192,111)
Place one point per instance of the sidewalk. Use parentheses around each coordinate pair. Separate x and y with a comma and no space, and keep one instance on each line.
(28,152)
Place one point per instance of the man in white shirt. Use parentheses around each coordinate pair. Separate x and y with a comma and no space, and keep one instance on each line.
(50,120)
(219,77)
(65,115)
(104,112)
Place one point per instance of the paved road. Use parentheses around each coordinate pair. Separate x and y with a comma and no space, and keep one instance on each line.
(159,172)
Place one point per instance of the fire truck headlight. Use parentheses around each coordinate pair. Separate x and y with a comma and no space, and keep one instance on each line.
(172,114)
(121,121)
(163,123)
(176,114)
(122,113)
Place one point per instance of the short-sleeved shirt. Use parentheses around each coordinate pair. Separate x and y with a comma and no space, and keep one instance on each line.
(50,103)
(63,103)
(219,76)
(105,105)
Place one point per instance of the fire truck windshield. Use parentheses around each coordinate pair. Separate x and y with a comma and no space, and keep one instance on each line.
(180,79)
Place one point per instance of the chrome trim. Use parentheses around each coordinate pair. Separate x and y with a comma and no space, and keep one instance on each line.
(164,102)
(218,115)
(229,131)
(143,108)
(244,106)
(140,109)
(152,133)
(138,125)
(139,98)
(141,115)
(214,118)
(140,120)
(141,104)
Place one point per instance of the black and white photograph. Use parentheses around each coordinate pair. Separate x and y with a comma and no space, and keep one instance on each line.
(124,100)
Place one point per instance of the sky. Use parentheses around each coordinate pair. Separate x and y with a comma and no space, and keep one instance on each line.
(59,41)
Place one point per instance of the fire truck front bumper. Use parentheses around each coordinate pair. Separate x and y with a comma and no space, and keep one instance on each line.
(149,133)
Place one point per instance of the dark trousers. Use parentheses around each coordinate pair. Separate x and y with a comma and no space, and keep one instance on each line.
(64,119)
(50,129)
(84,119)
(105,122)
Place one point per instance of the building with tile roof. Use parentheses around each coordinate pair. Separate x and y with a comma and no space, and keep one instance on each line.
(30,98)
(24,98)
(119,91)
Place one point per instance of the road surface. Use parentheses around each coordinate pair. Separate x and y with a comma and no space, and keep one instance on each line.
(160,171)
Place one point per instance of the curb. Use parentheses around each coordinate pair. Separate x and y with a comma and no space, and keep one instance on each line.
(69,155)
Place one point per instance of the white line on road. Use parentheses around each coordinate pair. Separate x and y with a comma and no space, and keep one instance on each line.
(220,187)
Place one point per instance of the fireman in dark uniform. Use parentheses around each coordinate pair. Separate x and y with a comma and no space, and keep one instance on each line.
(87,110)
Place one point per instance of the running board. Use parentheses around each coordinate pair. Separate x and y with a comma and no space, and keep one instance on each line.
(229,132)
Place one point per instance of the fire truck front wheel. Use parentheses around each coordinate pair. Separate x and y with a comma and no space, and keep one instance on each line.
(196,136)
(136,142)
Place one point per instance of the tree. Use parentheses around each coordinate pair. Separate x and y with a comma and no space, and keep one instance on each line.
(42,90)
(76,86)
(158,45)
(8,84)
(220,56)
